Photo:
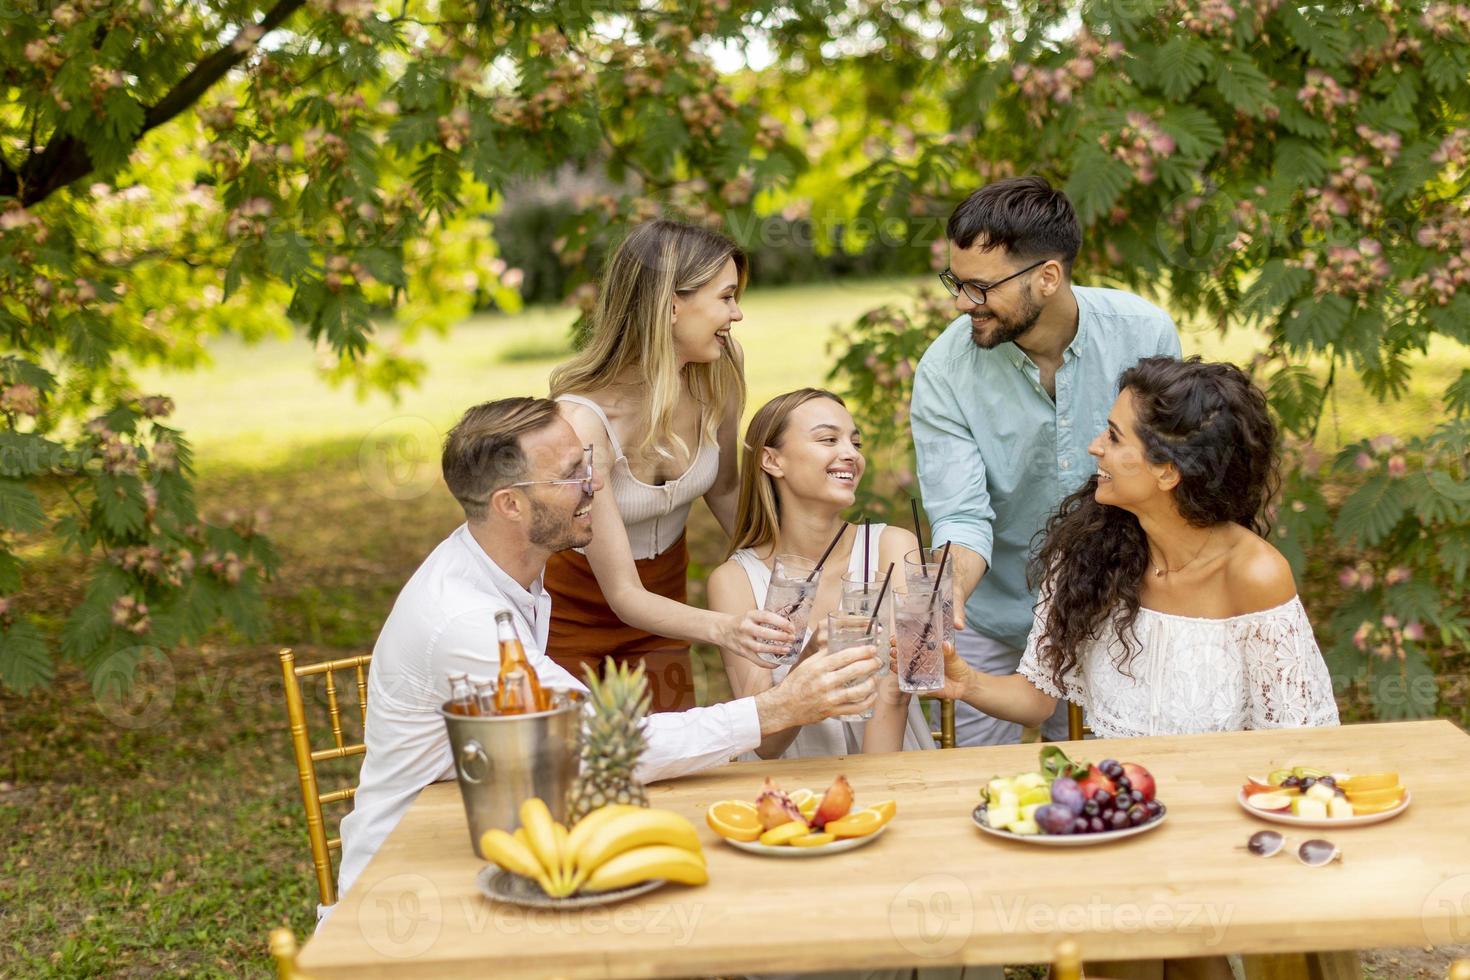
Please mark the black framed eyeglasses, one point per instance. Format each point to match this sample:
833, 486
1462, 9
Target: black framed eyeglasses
584, 477
973, 288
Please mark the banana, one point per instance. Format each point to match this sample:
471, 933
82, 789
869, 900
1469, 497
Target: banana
562, 873
588, 824
637, 828
541, 835
646, 863
514, 856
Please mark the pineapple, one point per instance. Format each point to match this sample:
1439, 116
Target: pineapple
612, 741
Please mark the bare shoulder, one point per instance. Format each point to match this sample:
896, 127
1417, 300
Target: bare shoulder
585, 422
729, 588
1258, 577
896, 538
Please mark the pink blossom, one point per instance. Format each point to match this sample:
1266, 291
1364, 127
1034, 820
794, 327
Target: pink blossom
22, 399
1397, 467
1397, 574
1391, 622
1348, 577
1414, 631
1363, 461
1366, 582
1360, 636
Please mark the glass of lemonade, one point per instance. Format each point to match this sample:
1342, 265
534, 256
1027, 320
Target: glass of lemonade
793, 588
919, 622
848, 630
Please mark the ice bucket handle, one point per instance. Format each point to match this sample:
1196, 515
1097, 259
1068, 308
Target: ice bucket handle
471, 752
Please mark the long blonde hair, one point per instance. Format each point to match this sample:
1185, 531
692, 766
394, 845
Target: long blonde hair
633, 328
758, 514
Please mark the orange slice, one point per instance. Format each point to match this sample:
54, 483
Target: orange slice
1369, 781
812, 840
1366, 809
858, 823
887, 809
785, 834
734, 819
1372, 797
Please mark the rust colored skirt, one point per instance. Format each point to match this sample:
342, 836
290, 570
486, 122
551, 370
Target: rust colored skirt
585, 631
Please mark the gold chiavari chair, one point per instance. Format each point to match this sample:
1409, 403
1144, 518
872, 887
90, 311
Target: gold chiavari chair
944, 734
1076, 726
283, 951
1460, 970
307, 758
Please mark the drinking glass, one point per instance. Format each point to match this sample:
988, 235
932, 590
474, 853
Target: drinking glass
921, 571
793, 587
845, 631
919, 621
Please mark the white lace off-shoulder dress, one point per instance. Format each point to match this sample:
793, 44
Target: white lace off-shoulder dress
1190, 675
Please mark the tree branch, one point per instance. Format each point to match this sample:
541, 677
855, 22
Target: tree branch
65, 159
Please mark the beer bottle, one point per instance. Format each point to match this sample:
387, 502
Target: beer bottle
461, 698
485, 697
519, 688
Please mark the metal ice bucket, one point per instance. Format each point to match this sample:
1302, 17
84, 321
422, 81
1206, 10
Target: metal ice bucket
501, 760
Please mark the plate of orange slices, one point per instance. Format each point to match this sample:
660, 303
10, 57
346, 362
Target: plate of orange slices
799, 823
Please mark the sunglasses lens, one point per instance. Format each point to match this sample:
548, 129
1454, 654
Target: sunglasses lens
1315, 853
1265, 843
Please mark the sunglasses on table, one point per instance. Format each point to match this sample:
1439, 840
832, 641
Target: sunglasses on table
1315, 853
974, 291
583, 476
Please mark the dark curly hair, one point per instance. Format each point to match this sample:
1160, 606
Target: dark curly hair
1211, 422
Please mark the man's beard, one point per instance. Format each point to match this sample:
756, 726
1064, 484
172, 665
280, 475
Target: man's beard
1004, 330
554, 532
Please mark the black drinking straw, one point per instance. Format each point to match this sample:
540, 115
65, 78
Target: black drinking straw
918, 528
919, 533
938, 576
865, 555
823, 560
877, 606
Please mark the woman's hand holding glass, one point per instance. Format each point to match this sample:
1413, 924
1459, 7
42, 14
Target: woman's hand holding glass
753, 634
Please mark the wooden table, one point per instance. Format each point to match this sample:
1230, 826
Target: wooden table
934, 890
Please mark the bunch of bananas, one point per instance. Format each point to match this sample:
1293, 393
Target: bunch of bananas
612, 847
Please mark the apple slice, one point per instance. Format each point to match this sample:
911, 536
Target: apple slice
1271, 802
1252, 787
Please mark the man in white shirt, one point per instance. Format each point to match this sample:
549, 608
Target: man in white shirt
526, 485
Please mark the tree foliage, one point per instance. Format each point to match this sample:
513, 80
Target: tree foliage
172, 171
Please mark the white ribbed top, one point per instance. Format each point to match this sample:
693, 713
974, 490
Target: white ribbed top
654, 515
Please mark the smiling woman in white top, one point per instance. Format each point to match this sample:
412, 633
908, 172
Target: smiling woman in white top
657, 393
1165, 609
802, 466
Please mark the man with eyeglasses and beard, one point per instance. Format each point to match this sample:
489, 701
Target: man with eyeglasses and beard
525, 483
1005, 403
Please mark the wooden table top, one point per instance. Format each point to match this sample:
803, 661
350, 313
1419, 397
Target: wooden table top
935, 890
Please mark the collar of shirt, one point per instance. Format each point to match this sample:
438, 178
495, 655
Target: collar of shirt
533, 605
1018, 357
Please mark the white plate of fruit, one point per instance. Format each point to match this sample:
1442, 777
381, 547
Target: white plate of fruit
1310, 797
799, 823
1068, 804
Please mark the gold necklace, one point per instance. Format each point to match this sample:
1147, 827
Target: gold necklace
1159, 572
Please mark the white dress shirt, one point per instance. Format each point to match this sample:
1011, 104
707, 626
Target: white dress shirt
443, 622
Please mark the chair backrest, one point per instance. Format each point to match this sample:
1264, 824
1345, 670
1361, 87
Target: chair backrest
944, 734
307, 758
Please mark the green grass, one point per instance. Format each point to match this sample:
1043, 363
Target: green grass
171, 849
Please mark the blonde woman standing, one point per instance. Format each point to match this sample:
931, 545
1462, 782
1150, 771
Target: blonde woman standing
657, 394
803, 463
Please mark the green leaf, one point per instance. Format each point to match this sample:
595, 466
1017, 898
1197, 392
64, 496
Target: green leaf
1180, 65
1297, 397
1242, 84
1194, 131
1446, 67
1301, 161
20, 510
1324, 40
1372, 511
1454, 552
120, 501
1097, 181
1410, 691
1316, 322
1274, 287
25, 663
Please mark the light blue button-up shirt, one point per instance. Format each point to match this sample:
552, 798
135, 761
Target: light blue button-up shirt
996, 454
